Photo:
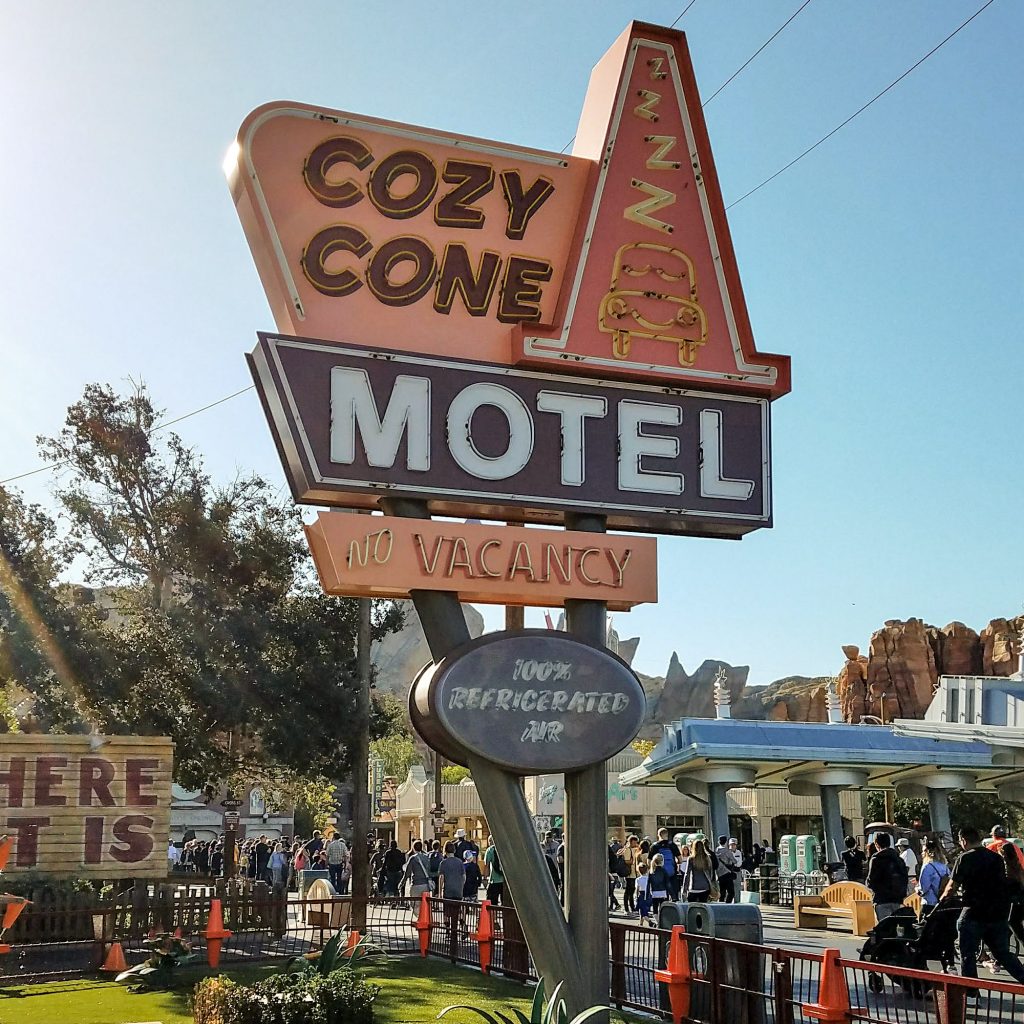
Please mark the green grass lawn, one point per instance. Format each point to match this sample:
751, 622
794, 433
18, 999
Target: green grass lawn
412, 991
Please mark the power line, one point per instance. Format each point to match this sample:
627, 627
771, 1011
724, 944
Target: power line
857, 113
682, 15
750, 59
160, 426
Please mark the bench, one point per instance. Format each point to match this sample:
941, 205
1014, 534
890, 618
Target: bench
842, 899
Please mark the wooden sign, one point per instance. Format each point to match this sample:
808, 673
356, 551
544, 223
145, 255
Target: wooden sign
87, 806
385, 556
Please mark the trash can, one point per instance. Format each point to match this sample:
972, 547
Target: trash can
787, 855
744, 988
808, 854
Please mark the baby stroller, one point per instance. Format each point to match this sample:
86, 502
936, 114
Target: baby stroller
938, 933
894, 942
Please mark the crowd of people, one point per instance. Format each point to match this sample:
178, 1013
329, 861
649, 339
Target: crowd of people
986, 878
984, 884
651, 871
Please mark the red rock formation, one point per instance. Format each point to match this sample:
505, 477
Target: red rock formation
958, 650
1000, 642
902, 673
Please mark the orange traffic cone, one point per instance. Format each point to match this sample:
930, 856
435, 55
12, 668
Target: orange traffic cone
115, 962
484, 936
215, 933
833, 1003
15, 905
352, 942
676, 976
424, 925
5, 850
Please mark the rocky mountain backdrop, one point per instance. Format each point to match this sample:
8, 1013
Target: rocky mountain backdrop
895, 679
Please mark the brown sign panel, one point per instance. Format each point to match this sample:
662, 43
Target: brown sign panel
385, 556
88, 806
497, 442
533, 701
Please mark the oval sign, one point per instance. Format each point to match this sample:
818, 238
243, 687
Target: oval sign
532, 701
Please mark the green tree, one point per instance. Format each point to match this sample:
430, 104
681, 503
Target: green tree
981, 810
453, 774
221, 637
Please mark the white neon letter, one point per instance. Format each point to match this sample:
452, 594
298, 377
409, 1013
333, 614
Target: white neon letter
460, 433
712, 483
573, 410
635, 444
353, 408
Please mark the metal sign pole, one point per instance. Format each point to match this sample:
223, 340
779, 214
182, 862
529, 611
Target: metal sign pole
360, 746
523, 862
586, 818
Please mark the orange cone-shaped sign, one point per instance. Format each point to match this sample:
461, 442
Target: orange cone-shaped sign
484, 936
353, 941
215, 933
424, 924
14, 907
115, 962
676, 976
833, 1003
5, 850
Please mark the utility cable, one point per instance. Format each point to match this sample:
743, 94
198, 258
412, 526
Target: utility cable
156, 429
857, 113
756, 53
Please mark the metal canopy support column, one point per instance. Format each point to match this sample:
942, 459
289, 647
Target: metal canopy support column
522, 861
586, 818
938, 811
832, 819
718, 811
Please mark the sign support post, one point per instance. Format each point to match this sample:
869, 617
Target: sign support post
556, 946
360, 744
586, 816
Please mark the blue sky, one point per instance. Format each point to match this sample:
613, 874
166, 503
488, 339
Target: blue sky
888, 263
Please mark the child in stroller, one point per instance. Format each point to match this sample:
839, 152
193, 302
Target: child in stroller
901, 941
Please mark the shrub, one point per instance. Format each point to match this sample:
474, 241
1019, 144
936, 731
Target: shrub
337, 998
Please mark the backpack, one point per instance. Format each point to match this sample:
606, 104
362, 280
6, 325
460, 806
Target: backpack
668, 856
434, 861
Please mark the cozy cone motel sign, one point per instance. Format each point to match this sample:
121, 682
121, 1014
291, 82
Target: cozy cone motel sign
509, 333
500, 333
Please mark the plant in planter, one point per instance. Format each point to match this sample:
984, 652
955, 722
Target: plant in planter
167, 952
341, 997
338, 954
542, 1011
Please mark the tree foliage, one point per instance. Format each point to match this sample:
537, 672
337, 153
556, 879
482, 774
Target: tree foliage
219, 635
980, 810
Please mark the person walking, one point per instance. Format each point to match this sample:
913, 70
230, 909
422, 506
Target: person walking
643, 898
394, 866
670, 854
980, 879
887, 878
700, 874
278, 864
658, 883
417, 872
337, 856
726, 868
463, 844
909, 858
853, 860
1015, 887
934, 874
495, 879
630, 855
471, 888
452, 883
